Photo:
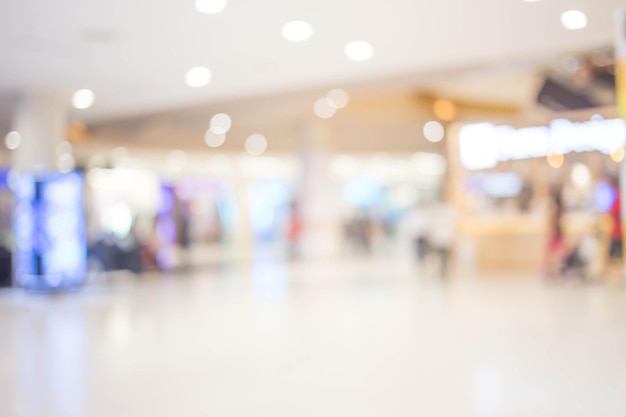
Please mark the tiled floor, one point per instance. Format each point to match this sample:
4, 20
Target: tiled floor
362, 339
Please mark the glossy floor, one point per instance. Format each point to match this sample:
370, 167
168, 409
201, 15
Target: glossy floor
352, 338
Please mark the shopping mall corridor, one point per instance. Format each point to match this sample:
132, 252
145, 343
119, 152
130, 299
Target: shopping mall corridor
353, 338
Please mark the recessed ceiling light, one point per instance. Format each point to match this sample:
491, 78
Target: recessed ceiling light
211, 6
324, 108
338, 97
13, 140
359, 51
214, 140
297, 31
256, 144
83, 99
445, 110
434, 131
574, 20
220, 123
198, 77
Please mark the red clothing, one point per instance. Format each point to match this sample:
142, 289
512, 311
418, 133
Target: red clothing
616, 215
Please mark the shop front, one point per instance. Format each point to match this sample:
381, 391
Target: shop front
504, 182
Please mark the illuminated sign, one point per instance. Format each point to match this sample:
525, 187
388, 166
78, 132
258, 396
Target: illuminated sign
484, 145
50, 236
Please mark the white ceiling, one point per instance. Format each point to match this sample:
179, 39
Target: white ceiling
134, 53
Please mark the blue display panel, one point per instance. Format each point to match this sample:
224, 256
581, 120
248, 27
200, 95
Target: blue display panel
50, 233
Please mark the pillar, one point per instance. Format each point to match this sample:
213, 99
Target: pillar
41, 120
317, 202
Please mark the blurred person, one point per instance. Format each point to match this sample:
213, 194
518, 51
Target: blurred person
440, 233
150, 249
359, 231
294, 231
415, 226
584, 261
128, 254
616, 246
183, 222
557, 247
364, 232
6, 267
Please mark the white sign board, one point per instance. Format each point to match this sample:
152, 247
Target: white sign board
484, 145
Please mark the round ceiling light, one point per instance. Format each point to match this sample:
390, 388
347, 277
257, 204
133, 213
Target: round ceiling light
338, 97
214, 140
444, 110
198, 77
256, 144
221, 123
574, 20
297, 31
83, 99
324, 108
13, 140
211, 6
434, 131
359, 51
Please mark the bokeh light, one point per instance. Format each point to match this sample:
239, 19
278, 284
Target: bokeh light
574, 20
256, 144
359, 51
83, 99
297, 31
604, 197
13, 140
211, 6
221, 123
324, 108
338, 98
198, 77
445, 110
214, 140
617, 155
66, 163
555, 160
581, 175
434, 131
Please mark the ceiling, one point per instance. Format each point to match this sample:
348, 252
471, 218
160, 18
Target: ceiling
134, 54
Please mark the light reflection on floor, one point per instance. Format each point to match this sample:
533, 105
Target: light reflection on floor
352, 338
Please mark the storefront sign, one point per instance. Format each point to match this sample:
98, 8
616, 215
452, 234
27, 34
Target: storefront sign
484, 145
